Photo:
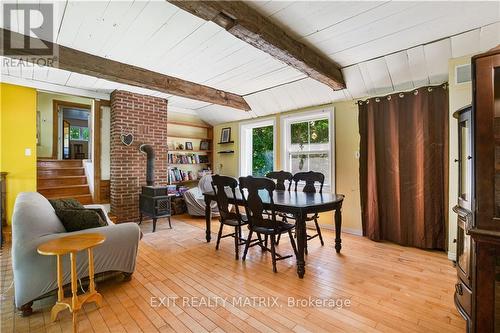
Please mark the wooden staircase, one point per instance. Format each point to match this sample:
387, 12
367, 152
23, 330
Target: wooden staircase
59, 179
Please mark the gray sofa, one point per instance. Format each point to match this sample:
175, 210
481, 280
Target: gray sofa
34, 222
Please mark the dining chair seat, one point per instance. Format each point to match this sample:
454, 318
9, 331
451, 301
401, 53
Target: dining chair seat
283, 227
234, 221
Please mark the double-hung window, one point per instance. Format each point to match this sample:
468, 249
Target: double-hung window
307, 141
79, 133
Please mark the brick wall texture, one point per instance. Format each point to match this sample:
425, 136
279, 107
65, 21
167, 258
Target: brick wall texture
146, 118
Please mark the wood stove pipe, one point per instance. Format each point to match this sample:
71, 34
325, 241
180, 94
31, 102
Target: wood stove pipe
150, 164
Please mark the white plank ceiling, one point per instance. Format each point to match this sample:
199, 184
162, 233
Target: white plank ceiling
382, 47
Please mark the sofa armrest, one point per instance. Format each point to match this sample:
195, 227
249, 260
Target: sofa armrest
123, 232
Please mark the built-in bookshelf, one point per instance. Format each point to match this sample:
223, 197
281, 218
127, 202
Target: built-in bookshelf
190, 152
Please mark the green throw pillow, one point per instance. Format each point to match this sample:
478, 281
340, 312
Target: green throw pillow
80, 219
65, 204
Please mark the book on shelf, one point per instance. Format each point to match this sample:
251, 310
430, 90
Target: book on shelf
176, 175
186, 158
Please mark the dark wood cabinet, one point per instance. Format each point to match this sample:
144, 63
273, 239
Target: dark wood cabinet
477, 292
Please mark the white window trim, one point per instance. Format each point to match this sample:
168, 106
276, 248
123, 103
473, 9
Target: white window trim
286, 120
243, 160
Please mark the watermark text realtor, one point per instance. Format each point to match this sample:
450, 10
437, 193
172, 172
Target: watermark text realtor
249, 301
28, 34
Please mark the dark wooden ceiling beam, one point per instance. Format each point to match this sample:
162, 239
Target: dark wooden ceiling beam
84, 63
255, 29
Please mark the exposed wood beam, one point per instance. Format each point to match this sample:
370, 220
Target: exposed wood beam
84, 63
255, 29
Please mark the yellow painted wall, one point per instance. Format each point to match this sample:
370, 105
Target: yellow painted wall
45, 106
18, 132
346, 166
459, 95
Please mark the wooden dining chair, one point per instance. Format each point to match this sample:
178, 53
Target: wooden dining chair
311, 178
227, 217
258, 220
281, 177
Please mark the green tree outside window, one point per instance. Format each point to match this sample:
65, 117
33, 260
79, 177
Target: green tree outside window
262, 150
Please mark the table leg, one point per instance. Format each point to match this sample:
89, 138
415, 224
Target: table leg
338, 226
91, 270
96, 296
208, 219
59, 306
60, 291
74, 298
300, 230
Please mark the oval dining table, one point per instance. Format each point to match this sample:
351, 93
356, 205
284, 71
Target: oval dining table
299, 204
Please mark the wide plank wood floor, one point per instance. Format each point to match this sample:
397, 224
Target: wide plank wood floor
383, 288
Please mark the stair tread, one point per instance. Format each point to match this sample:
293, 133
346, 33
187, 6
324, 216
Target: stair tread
56, 168
68, 196
62, 186
62, 177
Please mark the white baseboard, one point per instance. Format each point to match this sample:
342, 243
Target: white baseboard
351, 231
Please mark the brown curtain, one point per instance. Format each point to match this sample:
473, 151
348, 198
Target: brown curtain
404, 167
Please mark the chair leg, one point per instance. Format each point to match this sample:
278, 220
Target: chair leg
278, 239
169, 222
305, 247
219, 235
261, 243
236, 242
294, 246
273, 253
247, 245
318, 230
265, 240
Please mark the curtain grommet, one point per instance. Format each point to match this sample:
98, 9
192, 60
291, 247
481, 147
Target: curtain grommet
389, 97
415, 92
377, 99
401, 95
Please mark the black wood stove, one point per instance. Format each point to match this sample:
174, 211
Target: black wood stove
154, 200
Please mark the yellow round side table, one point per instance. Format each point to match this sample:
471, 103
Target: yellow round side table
73, 244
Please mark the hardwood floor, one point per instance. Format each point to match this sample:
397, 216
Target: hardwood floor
390, 289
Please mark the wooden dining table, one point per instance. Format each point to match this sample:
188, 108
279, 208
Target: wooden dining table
299, 204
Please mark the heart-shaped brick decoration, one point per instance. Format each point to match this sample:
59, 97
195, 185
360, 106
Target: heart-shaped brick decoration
127, 139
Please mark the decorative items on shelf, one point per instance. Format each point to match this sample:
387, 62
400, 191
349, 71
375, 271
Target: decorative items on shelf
189, 145
204, 145
225, 135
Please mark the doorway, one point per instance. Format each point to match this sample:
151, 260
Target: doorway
72, 131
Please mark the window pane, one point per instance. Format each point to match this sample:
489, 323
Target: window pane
318, 162
300, 133
319, 131
85, 133
74, 133
299, 163
262, 150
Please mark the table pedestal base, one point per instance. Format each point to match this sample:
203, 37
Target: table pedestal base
81, 299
